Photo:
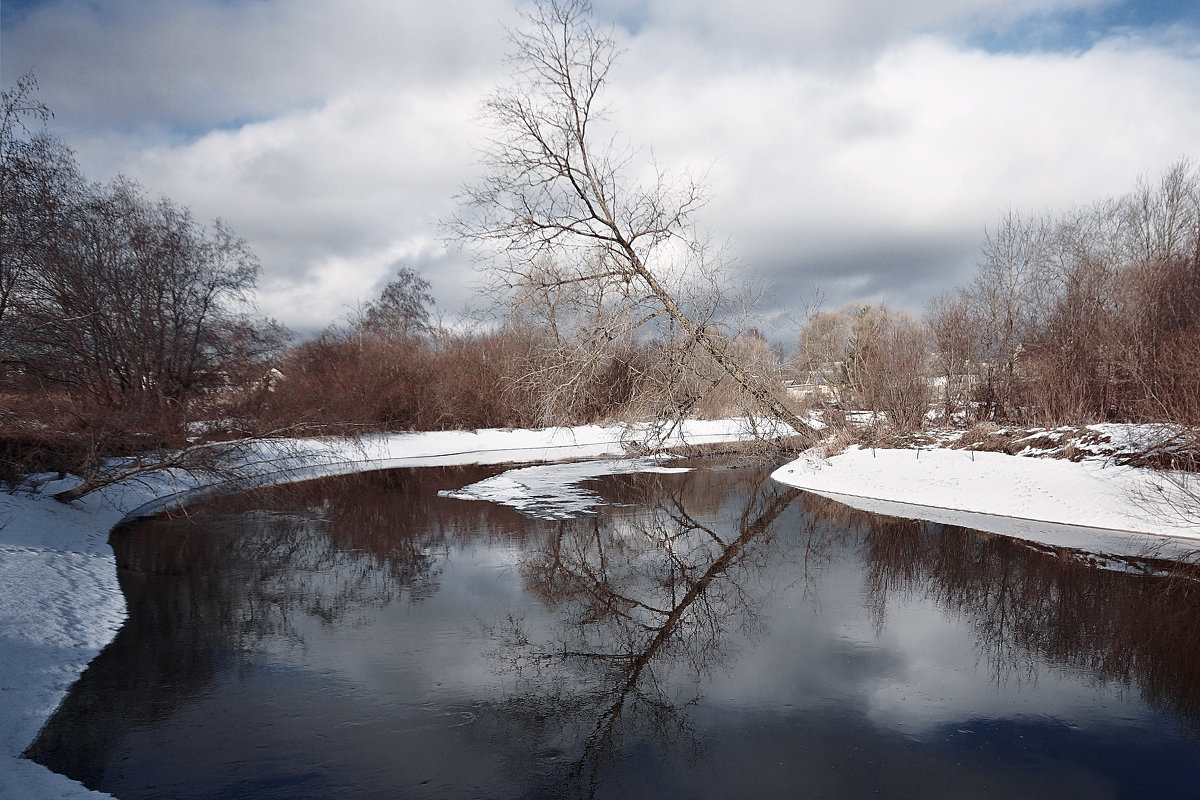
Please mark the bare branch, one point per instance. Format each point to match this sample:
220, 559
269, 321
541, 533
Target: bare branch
551, 194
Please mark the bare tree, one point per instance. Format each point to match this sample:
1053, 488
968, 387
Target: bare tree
821, 346
1161, 221
38, 181
1119, 304
633, 607
1159, 296
948, 321
883, 366
874, 358
1085, 315
133, 302
1004, 298
1068, 345
861, 353
403, 307
121, 318
897, 383
584, 353
557, 191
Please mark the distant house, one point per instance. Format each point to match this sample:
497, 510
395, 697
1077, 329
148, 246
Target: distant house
817, 390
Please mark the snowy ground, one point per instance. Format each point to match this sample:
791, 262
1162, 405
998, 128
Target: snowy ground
61, 604
1092, 504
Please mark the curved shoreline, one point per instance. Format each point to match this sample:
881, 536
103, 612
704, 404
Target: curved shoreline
1097, 541
59, 597
1085, 504
62, 603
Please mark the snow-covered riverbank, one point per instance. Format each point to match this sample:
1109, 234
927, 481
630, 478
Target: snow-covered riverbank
1090, 505
60, 603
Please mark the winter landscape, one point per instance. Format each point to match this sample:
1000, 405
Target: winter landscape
676, 451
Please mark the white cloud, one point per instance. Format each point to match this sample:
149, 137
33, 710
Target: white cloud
926, 145
330, 198
836, 30
130, 64
859, 146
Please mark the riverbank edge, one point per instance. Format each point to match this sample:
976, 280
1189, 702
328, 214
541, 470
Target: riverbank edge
59, 594
58, 574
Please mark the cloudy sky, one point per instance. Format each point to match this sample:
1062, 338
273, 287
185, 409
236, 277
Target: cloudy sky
858, 147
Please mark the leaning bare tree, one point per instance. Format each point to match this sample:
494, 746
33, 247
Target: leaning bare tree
560, 208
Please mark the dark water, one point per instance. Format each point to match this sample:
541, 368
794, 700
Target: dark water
713, 635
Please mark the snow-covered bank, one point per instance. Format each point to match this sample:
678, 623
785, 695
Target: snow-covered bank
284, 460
60, 603
1089, 504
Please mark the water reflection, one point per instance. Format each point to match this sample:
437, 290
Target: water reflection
250, 574
711, 632
1135, 623
323, 549
644, 605
640, 599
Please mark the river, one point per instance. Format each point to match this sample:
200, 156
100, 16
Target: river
706, 634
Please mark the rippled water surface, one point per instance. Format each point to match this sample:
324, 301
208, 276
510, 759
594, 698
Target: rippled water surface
709, 634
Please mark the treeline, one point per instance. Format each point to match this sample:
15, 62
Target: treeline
392, 368
121, 316
1073, 318
126, 325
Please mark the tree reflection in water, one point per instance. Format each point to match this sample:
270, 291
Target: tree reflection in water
241, 574
1135, 622
639, 599
324, 549
642, 600
615, 630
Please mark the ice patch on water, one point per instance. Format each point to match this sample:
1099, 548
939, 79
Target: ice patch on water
555, 491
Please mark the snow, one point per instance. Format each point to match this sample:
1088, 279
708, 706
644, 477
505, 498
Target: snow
1091, 504
554, 492
61, 603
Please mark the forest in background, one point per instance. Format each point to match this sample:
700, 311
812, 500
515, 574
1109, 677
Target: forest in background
1081, 316
126, 325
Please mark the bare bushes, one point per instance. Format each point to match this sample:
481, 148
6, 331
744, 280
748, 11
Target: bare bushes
511, 377
350, 382
1157, 347
591, 377
517, 376
583, 376
897, 384
872, 358
47, 430
354, 383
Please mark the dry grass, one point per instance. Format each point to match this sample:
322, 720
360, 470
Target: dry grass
1071, 452
754, 451
987, 437
842, 437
